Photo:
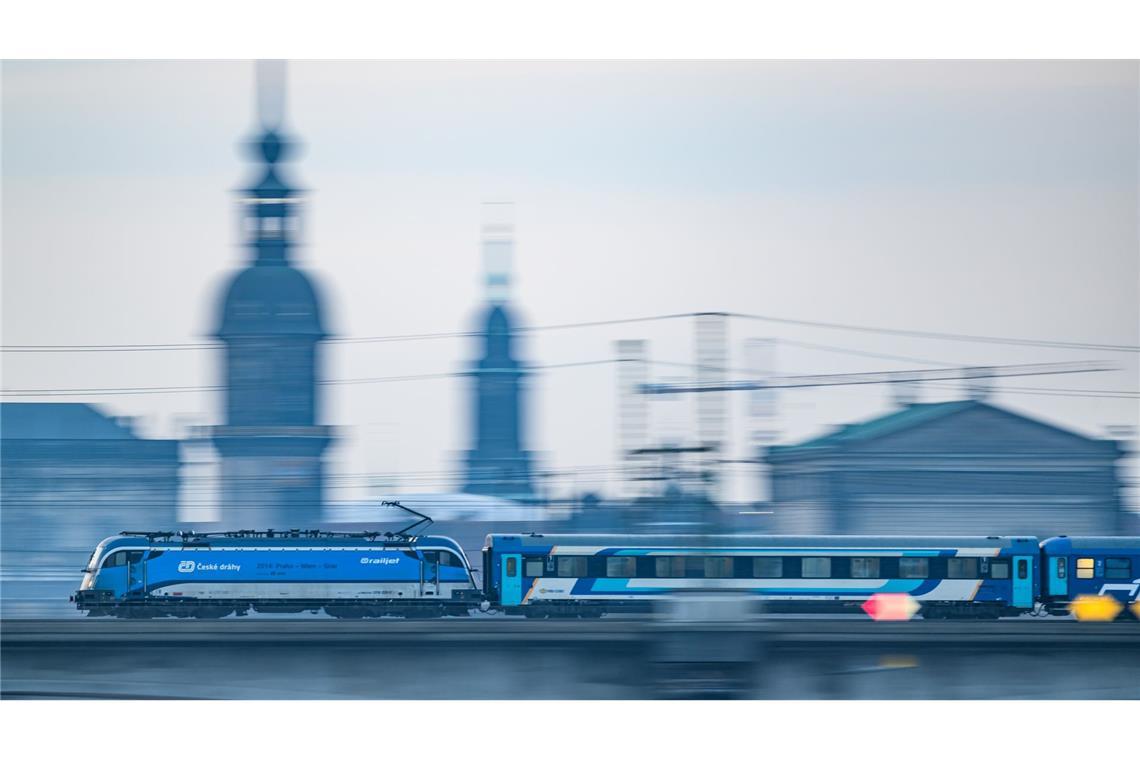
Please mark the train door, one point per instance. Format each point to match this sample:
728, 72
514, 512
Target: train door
429, 574
136, 571
512, 580
1056, 569
1023, 582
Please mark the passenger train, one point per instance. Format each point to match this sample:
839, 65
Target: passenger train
352, 575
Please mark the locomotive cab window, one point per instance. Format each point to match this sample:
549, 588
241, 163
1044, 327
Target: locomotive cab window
962, 567
532, 568
1085, 567
1118, 567
118, 559
447, 559
914, 567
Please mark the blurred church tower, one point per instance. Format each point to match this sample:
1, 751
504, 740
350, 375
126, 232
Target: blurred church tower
497, 463
270, 445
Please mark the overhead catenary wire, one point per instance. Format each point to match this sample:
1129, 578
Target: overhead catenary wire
785, 382
896, 331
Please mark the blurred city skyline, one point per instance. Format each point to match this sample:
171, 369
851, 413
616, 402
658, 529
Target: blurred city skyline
975, 198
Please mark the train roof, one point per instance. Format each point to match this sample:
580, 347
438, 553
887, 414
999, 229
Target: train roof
283, 538
762, 541
1092, 542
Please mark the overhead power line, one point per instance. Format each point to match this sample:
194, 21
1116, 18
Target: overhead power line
790, 381
868, 378
904, 332
1084, 346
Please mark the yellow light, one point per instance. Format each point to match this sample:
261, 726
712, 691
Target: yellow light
898, 661
1095, 607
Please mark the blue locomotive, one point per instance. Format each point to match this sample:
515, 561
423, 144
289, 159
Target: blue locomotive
208, 575
576, 575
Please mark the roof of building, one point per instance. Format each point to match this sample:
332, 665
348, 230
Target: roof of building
907, 418
59, 421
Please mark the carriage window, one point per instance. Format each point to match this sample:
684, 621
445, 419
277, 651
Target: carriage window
864, 567
1118, 567
532, 568
512, 567
962, 567
914, 567
571, 567
816, 567
621, 567
718, 567
1060, 567
767, 567
999, 569
669, 567
1085, 566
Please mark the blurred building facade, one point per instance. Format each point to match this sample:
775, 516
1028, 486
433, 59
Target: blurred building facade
70, 476
498, 463
271, 445
952, 468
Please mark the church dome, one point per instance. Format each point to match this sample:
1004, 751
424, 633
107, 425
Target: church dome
271, 300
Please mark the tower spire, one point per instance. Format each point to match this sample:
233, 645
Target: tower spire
498, 249
270, 76
270, 203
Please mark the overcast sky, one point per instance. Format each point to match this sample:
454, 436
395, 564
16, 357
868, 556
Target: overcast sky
982, 198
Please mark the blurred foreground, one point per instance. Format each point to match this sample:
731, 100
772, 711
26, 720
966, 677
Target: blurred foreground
618, 657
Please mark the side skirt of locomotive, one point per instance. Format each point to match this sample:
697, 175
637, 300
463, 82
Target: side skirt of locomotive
103, 605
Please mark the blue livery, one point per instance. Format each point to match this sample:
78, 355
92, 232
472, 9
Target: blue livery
582, 575
1089, 565
209, 575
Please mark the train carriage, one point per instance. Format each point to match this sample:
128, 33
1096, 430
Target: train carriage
1089, 566
211, 575
555, 575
